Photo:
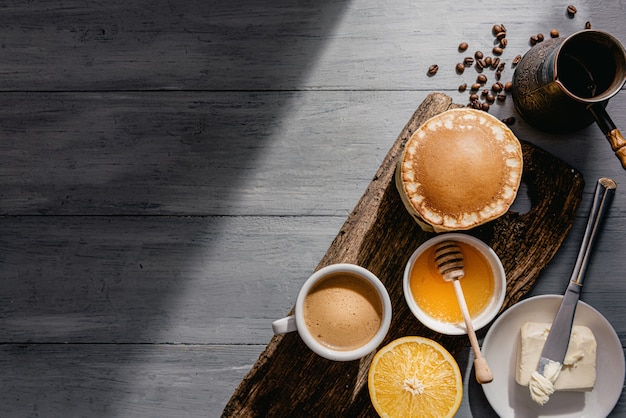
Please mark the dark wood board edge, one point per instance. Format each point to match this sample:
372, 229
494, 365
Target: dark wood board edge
289, 380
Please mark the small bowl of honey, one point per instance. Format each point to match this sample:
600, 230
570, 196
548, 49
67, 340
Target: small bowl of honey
433, 300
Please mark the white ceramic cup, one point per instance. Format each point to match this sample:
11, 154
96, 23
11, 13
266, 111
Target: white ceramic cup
297, 323
492, 308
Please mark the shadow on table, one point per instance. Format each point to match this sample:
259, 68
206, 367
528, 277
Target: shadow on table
146, 115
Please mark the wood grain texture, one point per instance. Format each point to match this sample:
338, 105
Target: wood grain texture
380, 236
221, 145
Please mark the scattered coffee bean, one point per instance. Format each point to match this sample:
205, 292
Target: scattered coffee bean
533, 40
497, 29
478, 55
473, 97
554, 33
498, 75
460, 68
480, 64
495, 63
497, 50
488, 61
432, 70
463, 46
467, 61
503, 43
490, 98
501, 97
475, 87
540, 37
484, 93
503, 27
509, 121
462, 87
588, 25
516, 60
571, 10
485, 107
482, 79
508, 86
497, 87
500, 36
501, 67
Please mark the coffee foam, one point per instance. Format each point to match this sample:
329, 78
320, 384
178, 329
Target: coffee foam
343, 312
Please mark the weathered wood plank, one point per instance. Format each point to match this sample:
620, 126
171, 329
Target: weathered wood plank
280, 153
121, 380
178, 279
380, 235
261, 45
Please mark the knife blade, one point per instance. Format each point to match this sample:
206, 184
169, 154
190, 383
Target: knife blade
555, 347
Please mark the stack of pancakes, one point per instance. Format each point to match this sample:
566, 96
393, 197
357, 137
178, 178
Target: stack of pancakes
460, 169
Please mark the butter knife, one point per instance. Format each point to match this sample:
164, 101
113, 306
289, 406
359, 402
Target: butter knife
554, 350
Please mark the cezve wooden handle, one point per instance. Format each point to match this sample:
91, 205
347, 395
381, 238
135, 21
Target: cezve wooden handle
615, 137
618, 144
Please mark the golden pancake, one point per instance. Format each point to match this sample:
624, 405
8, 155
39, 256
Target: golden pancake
460, 169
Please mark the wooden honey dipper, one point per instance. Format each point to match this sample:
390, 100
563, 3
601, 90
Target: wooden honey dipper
449, 261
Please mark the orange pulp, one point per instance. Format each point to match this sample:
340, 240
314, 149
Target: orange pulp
437, 298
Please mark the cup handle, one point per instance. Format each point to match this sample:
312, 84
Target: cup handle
284, 325
615, 137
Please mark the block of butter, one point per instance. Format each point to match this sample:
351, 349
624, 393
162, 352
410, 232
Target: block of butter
579, 367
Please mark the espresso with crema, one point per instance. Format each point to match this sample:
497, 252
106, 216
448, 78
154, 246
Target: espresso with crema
343, 312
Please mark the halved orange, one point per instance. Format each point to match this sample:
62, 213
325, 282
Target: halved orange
415, 377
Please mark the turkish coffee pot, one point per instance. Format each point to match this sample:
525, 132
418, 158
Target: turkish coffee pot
564, 84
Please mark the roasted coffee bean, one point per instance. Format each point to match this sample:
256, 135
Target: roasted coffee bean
501, 97
475, 87
462, 87
571, 10
498, 75
490, 98
473, 97
480, 64
508, 86
503, 27
501, 66
497, 50
460, 68
504, 43
484, 93
463, 46
509, 121
500, 36
497, 87
488, 61
540, 37
432, 70
516, 60
554, 33
468, 61
533, 40
495, 63
478, 55
497, 29
482, 79
485, 107
588, 25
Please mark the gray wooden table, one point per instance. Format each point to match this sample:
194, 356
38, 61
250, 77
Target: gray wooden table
171, 172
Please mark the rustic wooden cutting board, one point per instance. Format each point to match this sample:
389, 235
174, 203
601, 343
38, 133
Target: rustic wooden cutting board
289, 380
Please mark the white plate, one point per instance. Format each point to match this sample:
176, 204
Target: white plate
500, 345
